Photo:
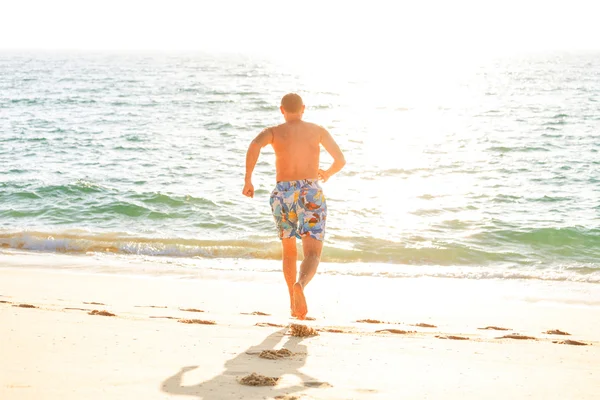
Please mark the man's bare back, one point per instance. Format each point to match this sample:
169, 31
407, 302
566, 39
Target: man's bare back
297, 150
298, 203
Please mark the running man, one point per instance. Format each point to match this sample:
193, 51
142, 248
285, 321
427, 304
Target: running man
297, 202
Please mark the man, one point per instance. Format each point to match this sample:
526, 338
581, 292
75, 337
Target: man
297, 202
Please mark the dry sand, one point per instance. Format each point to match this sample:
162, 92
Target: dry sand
62, 349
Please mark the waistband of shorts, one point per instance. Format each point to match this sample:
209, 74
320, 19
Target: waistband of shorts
292, 185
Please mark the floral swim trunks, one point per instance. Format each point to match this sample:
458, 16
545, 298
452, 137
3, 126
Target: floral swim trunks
299, 209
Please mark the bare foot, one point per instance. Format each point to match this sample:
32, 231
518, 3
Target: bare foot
300, 309
292, 307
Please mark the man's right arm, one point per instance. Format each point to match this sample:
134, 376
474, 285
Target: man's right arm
334, 150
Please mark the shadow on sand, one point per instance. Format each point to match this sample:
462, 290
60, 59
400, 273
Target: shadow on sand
226, 385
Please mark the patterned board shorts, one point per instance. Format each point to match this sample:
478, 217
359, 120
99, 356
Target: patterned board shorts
299, 209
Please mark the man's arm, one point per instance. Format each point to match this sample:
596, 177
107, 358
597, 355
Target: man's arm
264, 138
334, 150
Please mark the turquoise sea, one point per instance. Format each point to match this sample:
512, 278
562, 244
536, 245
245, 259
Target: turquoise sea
490, 171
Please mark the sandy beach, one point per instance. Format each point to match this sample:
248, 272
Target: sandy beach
419, 338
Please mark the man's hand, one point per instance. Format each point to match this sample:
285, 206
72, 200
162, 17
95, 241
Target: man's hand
248, 189
323, 175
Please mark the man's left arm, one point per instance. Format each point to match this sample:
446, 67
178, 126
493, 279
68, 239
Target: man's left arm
264, 138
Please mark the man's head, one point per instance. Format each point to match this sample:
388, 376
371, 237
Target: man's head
292, 107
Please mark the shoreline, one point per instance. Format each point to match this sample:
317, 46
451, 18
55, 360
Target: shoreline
137, 264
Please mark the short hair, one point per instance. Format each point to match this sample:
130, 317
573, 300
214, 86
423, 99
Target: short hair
292, 103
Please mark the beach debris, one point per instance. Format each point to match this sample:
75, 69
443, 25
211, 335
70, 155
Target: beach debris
557, 332
288, 397
396, 331
24, 305
167, 317
255, 379
262, 314
197, 321
424, 325
275, 354
4, 301
103, 313
94, 303
493, 328
191, 310
453, 337
76, 308
370, 321
265, 324
302, 330
571, 342
517, 336
310, 319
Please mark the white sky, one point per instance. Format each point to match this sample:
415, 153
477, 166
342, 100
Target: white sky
314, 27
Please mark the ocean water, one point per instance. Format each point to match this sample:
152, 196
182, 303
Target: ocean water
494, 167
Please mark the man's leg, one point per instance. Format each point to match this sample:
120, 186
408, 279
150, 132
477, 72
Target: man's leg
311, 248
290, 255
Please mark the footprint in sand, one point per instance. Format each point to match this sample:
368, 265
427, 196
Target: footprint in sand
262, 314
572, 342
557, 332
370, 321
453, 337
197, 321
317, 384
332, 330
517, 336
269, 324
103, 313
493, 328
24, 306
396, 331
424, 325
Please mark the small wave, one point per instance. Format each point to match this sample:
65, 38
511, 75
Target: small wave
21, 195
29, 102
218, 126
559, 122
78, 187
549, 199
121, 208
568, 241
502, 149
378, 257
505, 198
172, 200
124, 244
